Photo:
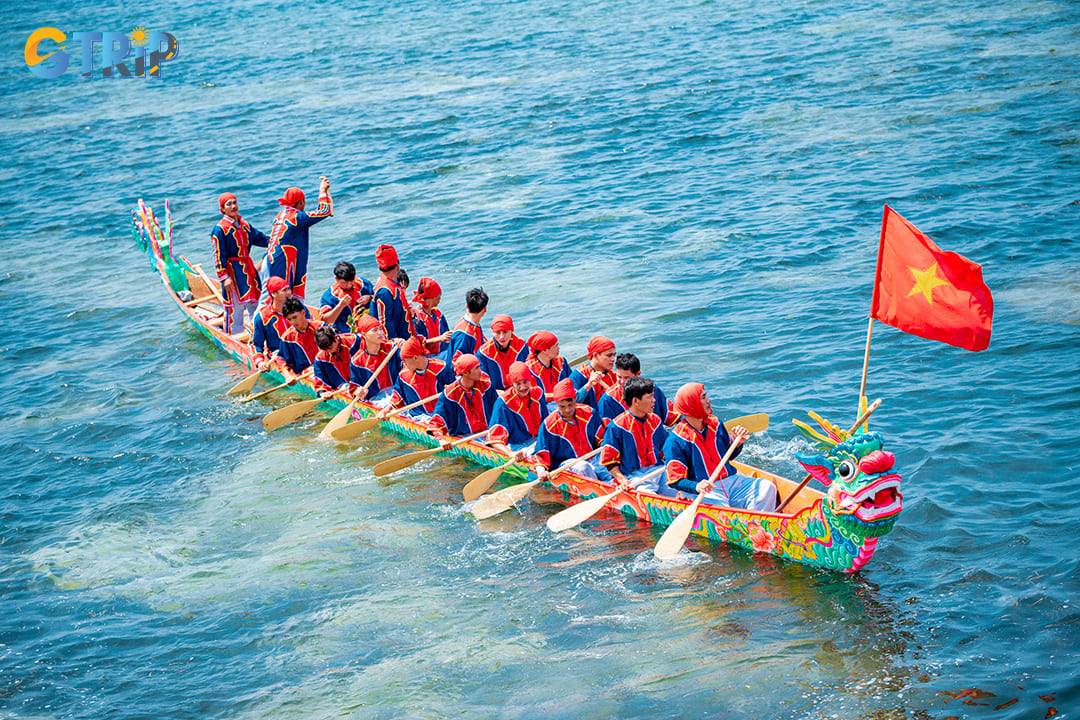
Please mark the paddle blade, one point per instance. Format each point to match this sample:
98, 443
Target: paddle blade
287, 414
338, 421
503, 500
245, 385
673, 539
758, 422
577, 514
482, 483
386, 467
348, 432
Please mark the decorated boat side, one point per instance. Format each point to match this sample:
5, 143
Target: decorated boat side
839, 529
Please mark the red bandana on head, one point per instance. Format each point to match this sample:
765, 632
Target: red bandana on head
564, 390
598, 345
688, 401
293, 197
386, 257
501, 323
465, 363
541, 340
519, 372
427, 289
413, 347
224, 198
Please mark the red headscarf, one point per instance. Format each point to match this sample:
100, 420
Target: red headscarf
222, 199
293, 197
541, 340
364, 323
386, 257
413, 347
688, 400
426, 289
499, 323
464, 363
598, 345
519, 372
276, 284
564, 390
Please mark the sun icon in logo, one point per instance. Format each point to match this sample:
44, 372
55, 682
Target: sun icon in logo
138, 36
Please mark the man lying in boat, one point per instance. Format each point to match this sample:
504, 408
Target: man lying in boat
501, 351
270, 323
695, 447
566, 434
627, 366
464, 405
634, 440
468, 336
332, 362
345, 297
232, 239
421, 377
390, 306
517, 414
545, 362
429, 324
596, 375
369, 355
298, 346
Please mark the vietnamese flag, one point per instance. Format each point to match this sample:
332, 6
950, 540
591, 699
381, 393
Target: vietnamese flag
928, 292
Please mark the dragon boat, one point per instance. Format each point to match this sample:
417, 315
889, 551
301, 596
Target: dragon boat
838, 529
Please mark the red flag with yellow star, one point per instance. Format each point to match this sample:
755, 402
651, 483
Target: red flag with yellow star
925, 291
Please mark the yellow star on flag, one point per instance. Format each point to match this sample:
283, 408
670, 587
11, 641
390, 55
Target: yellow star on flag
925, 282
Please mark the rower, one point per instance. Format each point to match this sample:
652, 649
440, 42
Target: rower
517, 414
345, 297
269, 322
566, 434
501, 351
298, 346
627, 366
287, 254
468, 336
462, 408
422, 377
232, 239
544, 360
390, 306
694, 448
634, 440
429, 324
369, 354
596, 375
333, 359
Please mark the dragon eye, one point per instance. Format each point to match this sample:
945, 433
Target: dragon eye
846, 470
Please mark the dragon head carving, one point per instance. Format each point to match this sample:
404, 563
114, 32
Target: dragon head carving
863, 492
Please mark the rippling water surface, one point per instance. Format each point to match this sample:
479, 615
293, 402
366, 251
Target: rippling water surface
703, 183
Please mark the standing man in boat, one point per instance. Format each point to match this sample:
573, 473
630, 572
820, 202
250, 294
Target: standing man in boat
345, 297
468, 336
566, 434
627, 366
517, 414
332, 362
596, 375
634, 440
298, 345
695, 447
269, 323
369, 355
287, 255
429, 324
544, 360
390, 306
421, 377
501, 351
232, 239
465, 404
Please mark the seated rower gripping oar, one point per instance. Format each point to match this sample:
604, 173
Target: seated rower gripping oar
401, 462
287, 414
506, 498
342, 418
356, 427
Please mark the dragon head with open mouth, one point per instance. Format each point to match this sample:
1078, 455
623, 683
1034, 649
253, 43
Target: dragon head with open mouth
863, 491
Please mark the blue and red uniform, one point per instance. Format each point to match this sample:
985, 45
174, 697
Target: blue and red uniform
287, 254
463, 412
467, 339
364, 365
497, 360
232, 254
333, 296
270, 325
559, 440
332, 368
591, 397
692, 455
430, 324
611, 405
298, 349
516, 420
632, 443
415, 386
391, 309
547, 377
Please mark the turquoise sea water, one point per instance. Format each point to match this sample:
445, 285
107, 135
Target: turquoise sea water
702, 182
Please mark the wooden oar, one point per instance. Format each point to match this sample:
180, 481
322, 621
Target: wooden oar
758, 422
401, 462
482, 482
287, 383
364, 424
578, 361
247, 383
342, 418
799, 488
577, 514
287, 414
673, 539
506, 498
